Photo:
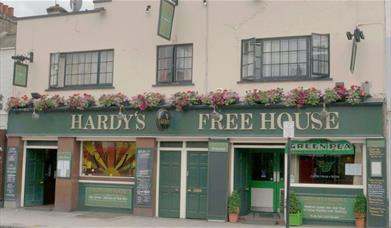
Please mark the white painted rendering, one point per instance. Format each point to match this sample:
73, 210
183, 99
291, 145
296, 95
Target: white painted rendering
216, 31
6, 89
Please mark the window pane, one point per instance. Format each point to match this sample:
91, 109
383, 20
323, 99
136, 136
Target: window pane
302, 70
284, 57
284, 70
293, 44
112, 159
275, 45
292, 69
302, 56
302, 44
165, 75
276, 58
292, 57
188, 63
284, 45
180, 63
275, 70
267, 71
267, 58
267, 46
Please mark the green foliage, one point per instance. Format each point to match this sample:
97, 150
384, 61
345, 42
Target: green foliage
234, 202
360, 204
294, 203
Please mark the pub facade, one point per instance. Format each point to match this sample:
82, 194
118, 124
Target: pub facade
133, 123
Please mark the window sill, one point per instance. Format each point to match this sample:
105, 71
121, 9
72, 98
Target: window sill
284, 80
80, 88
174, 84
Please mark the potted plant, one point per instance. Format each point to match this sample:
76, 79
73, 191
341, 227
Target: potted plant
360, 208
295, 215
233, 206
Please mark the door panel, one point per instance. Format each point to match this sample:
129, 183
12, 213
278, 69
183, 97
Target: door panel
197, 168
169, 184
267, 179
242, 179
34, 178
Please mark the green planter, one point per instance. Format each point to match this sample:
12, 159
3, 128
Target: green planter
296, 219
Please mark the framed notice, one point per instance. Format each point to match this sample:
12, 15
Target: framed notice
11, 169
143, 195
166, 19
64, 164
20, 74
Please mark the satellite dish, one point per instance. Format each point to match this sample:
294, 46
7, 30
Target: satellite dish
76, 5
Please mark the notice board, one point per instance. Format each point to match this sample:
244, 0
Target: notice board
10, 173
143, 196
377, 212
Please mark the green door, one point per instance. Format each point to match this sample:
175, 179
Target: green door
33, 195
267, 166
242, 179
197, 189
169, 183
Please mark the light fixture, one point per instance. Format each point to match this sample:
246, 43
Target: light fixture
215, 114
324, 113
22, 58
357, 34
365, 87
148, 9
35, 95
121, 115
205, 2
35, 115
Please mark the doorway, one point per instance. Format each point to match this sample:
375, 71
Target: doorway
40, 181
259, 179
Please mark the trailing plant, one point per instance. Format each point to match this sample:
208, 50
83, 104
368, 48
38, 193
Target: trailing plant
312, 96
234, 203
147, 100
221, 97
330, 96
294, 203
16, 102
268, 97
181, 100
360, 205
295, 97
44, 103
108, 100
81, 102
355, 95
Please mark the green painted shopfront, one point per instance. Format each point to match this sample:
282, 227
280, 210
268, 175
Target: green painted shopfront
167, 163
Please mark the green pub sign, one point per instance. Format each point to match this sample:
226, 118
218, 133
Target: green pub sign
166, 19
20, 74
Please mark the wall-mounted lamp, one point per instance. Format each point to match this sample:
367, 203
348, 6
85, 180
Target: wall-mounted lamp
36, 95
324, 113
205, 2
215, 115
357, 34
22, 58
121, 115
148, 9
35, 115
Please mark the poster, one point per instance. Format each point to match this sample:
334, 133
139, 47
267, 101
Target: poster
144, 177
11, 173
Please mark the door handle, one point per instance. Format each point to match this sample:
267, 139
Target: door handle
247, 189
177, 190
189, 189
198, 190
41, 182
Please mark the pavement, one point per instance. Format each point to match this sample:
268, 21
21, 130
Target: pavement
18, 218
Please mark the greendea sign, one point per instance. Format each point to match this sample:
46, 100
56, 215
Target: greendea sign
321, 147
238, 121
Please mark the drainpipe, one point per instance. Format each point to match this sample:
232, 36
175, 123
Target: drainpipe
206, 80
387, 25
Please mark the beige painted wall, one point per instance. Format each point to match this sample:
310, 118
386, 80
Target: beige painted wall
216, 31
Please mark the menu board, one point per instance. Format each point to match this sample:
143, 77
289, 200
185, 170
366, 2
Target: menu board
144, 177
377, 183
10, 173
64, 164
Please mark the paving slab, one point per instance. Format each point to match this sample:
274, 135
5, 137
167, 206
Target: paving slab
27, 218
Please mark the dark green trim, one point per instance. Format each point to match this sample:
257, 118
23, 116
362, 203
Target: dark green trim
94, 87
292, 79
173, 84
96, 10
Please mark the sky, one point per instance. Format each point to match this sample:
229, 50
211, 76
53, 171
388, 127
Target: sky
24, 8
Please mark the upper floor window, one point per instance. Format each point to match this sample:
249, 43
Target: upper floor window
92, 68
174, 64
305, 57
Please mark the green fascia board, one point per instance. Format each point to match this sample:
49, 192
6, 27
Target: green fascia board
57, 122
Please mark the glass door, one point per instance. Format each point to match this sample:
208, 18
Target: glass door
267, 172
